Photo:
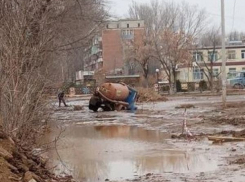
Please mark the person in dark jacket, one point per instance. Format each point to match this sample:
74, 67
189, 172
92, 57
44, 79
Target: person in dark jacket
61, 96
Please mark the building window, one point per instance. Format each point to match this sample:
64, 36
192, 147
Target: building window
197, 74
215, 72
212, 56
198, 56
232, 54
243, 69
127, 25
127, 32
243, 54
232, 73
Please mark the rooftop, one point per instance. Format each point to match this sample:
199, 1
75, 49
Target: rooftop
122, 76
220, 47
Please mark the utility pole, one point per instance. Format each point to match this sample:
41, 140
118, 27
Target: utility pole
223, 53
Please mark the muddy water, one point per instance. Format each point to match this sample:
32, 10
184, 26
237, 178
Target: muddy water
96, 153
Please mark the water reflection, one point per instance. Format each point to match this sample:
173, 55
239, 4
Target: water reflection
113, 152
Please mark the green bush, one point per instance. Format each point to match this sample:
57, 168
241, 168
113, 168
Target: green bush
203, 85
178, 86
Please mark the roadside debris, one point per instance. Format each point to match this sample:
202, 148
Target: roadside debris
218, 139
20, 164
239, 134
240, 160
149, 95
185, 106
113, 96
77, 108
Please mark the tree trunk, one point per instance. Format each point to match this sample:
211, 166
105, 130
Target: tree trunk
212, 84
146, 84
211, 78
171, 91
174, 82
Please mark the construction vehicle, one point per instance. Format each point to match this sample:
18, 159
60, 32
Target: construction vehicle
113, 96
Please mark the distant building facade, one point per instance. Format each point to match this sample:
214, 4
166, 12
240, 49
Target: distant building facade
107, 52
93, 59
201, 60
114, 41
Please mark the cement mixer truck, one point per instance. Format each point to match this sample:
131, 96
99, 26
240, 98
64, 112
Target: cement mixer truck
113, 96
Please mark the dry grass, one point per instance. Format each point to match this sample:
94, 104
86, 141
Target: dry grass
149, 95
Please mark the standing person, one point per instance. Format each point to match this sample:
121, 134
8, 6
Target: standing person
61, 96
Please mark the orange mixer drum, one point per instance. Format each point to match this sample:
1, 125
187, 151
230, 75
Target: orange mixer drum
114, 91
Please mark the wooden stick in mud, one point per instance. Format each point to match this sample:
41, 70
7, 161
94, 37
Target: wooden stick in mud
225, 139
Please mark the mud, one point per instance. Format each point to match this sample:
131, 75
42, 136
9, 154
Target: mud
239, 160
97, 153
137, 146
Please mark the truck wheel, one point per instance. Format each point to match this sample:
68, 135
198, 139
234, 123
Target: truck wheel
94, 107
94, 103
108, 107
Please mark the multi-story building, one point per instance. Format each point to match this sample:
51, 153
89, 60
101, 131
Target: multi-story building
114, 42
207, 58
93, 55
107, 52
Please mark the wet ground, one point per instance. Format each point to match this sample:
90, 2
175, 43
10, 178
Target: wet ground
120, 146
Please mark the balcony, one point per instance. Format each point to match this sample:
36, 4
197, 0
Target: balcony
128, 37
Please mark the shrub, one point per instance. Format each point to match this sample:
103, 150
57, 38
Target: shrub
149, 95
191, 86
178, 86
203, 85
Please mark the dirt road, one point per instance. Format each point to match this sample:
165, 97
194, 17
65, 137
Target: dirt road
145, 145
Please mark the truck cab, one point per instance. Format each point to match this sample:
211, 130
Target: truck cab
238, 81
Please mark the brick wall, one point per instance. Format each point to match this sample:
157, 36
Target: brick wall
112, 50
138, 36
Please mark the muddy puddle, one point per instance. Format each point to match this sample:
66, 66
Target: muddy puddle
97, 153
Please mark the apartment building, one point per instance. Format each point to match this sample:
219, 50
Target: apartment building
93, 55
107, 52
202, 63
114, 43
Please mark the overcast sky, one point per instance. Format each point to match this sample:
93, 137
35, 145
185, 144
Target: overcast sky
120, 9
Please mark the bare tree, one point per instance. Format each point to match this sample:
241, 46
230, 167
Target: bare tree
209, 42
141, 53
34, 36
172, 50
81, 20
174, 28
236, 36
